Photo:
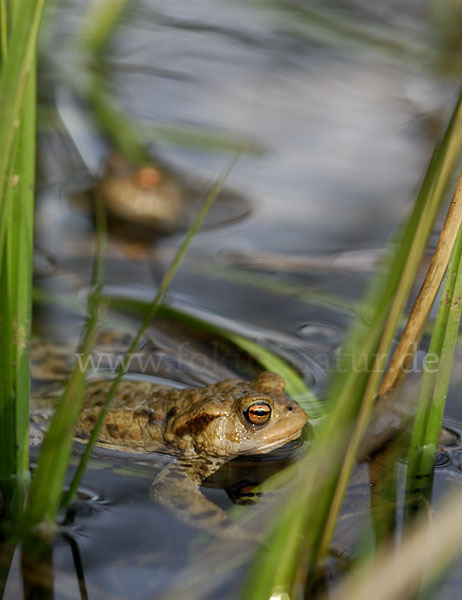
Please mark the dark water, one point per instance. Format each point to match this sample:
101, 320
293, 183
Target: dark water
346, 125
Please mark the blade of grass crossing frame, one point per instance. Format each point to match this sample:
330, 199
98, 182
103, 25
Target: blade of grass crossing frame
20, 249
100, 21
150, 314
47, 483
296, 388
128, 135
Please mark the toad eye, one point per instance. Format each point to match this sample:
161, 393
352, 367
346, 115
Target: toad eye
258, 413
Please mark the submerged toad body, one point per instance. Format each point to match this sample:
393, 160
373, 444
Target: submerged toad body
203, 428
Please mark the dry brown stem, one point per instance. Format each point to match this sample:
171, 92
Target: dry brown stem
405, 350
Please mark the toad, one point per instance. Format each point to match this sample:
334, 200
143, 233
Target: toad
203, 428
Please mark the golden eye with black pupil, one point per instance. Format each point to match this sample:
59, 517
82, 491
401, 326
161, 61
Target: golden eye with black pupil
258, 413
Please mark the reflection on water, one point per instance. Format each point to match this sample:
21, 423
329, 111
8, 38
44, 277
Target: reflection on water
344, 102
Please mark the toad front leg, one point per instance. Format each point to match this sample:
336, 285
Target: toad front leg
177, 488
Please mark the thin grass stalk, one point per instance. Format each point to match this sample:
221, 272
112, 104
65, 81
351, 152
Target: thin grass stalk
15, 308
427, 424
268, 283
47, 483
295, 386
150, 314
275, 286
200, 139
124, 133
130, 137
101, 20
20, 250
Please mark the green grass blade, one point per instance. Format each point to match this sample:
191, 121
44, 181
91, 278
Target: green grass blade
435, 382
47, 483
20, 253
199, 138
128, 135
15, 307
262, 281
8, 462
123, 132
3, 31
131, 137
150, 314
296, 388
100, 21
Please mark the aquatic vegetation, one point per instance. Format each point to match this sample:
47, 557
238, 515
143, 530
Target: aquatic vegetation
150, 314
19, 29
427, 425
45, 493
302, 536
300, 528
